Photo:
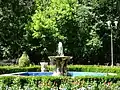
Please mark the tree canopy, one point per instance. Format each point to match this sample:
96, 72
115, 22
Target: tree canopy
37, 27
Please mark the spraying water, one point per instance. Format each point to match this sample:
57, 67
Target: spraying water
60, 49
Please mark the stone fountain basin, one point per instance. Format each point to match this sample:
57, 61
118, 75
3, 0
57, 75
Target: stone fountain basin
59, 57
72, 74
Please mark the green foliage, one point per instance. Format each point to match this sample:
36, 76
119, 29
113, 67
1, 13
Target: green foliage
44, 19
92, 68
64, 20
13, 17
46, 22
48, 83
94, 43
80, 68
24, 60
14, 69
79, 24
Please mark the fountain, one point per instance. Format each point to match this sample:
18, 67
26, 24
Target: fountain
60, 67
60, 61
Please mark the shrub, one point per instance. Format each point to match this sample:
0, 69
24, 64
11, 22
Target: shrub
79, 68
14, 69
94, 68
56, 83
24, 60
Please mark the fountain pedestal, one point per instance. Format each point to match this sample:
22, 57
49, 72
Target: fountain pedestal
61, 64
43, 66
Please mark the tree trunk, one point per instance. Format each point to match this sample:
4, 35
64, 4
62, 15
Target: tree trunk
118, 11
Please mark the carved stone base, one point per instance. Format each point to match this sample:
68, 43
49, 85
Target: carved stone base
61, 64
44, 66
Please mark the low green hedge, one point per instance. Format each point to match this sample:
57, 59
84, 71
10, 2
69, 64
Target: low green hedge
48, 82
94, 68
80, 68
13, 69
44, 81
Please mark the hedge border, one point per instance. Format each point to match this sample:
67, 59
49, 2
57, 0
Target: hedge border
80, 68
8, 80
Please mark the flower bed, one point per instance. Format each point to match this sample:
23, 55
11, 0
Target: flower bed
56, 83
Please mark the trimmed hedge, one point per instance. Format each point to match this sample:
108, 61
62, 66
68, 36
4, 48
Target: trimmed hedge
94, 68
24, 60
23, 80
43, 82
13, 69
80, 68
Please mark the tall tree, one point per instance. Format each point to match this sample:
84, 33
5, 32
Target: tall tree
66, 21
13, 17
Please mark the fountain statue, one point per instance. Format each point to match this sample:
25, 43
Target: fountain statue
60, 61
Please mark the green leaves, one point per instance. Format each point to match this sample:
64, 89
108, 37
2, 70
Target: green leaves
79, 24
45, 19
48, 83
64, 20
24, 60
94, 42
13, 17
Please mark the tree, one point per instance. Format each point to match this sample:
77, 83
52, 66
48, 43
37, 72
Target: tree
44, 21
66, 21
13, 17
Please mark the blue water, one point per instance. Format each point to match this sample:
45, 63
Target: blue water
73, 74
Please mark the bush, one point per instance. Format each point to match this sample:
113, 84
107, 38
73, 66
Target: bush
14, 69
94, 68
24, 60
80, 68
48, 82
